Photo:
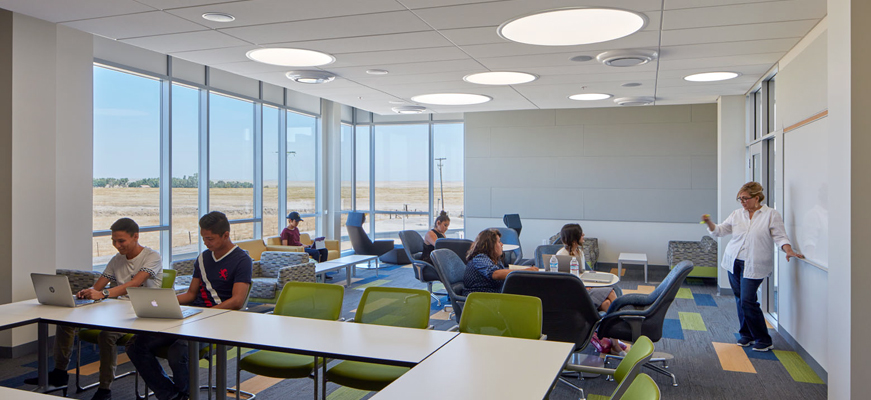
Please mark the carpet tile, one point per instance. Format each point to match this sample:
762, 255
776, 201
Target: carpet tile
671, 328
704, 300
733, 358
684, 293
797, 368
692, 321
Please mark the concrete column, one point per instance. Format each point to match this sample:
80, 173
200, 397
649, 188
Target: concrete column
331, 167
731, 150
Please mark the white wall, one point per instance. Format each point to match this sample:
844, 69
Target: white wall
634, 178
731, 151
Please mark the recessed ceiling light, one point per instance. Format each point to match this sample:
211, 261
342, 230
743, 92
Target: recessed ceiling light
590, 96
377, 71
711, 76
626, 58
451, 99
635, 101
310, 76
572, 26
290, 57
396, 101
218, 17
631, 84
409, 109
500, 78
581, 58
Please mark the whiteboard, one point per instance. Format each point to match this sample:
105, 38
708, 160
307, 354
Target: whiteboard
806, 190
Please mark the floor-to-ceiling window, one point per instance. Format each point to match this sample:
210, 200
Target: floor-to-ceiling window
401, 179
448, 175
231, 162
347, 171
301, 168
272, 222
185, 170
127, 132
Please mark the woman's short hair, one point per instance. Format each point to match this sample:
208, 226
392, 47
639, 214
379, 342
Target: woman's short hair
754, 189
571, 234
485, 244
443, 217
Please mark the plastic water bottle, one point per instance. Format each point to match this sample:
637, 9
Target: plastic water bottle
554, 264
575, 267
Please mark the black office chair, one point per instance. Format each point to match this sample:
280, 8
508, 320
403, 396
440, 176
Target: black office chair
569, 313
513, 221
633, 315
360, 240
459, 246
509, 236
451, 270
425, 272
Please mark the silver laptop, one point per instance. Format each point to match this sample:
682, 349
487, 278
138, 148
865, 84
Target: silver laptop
564, 265
54, 290
158, 303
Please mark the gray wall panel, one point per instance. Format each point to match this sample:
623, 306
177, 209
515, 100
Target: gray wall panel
704, 113
510, 118
477, 201
626, 172
626, 115
523, 173
704, 171
652, 205
552, 203
541, 141
477, 142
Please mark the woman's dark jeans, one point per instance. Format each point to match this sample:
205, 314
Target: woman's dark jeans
749, 313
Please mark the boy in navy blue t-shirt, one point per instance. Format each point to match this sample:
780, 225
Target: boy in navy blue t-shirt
222, 276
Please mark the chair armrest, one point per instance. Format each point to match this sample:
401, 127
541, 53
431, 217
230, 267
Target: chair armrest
592, 370
332, 244
632, 317
292, 249
297, 273
629, 300
256, 270
542, 337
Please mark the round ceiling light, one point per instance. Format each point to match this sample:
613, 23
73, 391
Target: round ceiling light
377, 71
290, 57
572, 26
409, 109
626, 58
451, 99
218, 17
711, 76
310, 76
500, 78
590, 96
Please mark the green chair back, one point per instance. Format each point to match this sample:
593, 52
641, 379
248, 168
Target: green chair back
310, 300
642, 388
640, 352
500, 314
168, 278
403, 307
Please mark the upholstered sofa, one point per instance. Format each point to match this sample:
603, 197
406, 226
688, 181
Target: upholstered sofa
271, 272
255, 247
333, 249
591, 249
702, 253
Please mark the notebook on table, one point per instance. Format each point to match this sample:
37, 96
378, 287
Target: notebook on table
158, 303
54, 290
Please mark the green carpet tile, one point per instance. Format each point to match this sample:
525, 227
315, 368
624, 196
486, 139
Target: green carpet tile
692, 328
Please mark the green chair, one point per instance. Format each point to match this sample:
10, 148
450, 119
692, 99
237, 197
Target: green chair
499, 314
642, 388
304, 300
626, 371
93, 335
402, 307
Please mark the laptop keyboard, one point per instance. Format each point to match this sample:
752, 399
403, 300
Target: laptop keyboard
189, 312
81, 302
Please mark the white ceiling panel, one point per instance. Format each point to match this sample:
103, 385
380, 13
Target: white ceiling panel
489, 14
70, 10
188, 41
398, 56
414, 68
593, 81
644, 40
722, 90
739, 14
720, 63
398, 41
216, 56
258, 12
736, 33
136, 25
391, 79
413, 4
678, 4
169, 4
671, 53
470, 36
330, 28
752, 70
250, 67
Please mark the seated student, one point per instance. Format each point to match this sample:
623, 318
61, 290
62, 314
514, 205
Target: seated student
134, 265
484, 269
222, 276
440, 226
290, 237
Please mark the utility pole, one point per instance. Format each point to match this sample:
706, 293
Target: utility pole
441, 184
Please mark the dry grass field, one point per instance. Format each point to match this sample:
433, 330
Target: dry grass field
143, 205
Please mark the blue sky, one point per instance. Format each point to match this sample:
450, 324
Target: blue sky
127, 137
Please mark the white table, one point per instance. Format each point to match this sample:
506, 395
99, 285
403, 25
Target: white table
614, 278
10, 393
632, 258
510, 247
332, 339
483, 368
347, 262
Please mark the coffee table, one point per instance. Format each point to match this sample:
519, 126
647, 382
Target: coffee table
347, 262
632, 258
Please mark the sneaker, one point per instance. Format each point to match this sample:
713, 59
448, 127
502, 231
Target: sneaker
762, 346
745, 341
56, 377
102, 394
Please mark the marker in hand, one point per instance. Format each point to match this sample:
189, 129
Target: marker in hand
703, 217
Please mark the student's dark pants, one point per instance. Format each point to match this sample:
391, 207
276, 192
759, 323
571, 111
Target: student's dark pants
749, 313
319, 255
143, 349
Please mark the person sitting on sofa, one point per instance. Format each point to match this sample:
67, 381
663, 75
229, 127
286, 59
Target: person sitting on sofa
290, 237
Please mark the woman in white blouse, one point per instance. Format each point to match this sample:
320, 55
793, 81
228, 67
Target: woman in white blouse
755, 228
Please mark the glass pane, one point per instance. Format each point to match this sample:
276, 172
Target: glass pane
448, 173
272, 222
242, 231
185, 167
104, 251
308, 225
345, 240
301, 163
363, 166
772, 105
347, 151
231, 156
126, 151
401, 178
760, 103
